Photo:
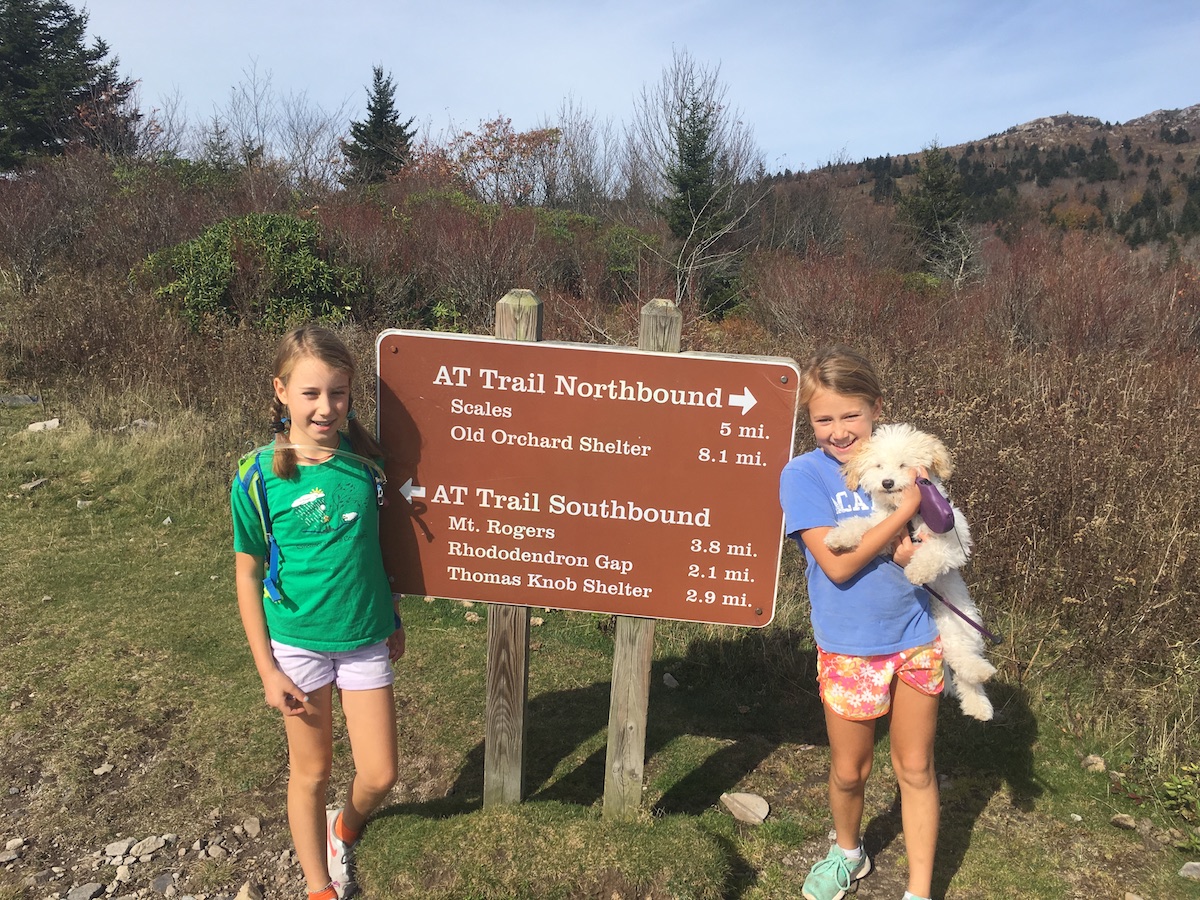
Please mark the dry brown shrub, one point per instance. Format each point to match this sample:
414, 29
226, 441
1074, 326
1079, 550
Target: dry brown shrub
1079, 477
469, 256
821, 299
1084, 292
46, 214
370, 238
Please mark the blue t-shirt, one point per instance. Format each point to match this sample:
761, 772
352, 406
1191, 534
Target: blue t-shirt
877, 611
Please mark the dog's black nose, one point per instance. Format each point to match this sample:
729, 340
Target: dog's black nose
888, 484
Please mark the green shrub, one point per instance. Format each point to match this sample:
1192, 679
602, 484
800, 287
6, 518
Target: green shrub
921, 283
1181, 795
260, 268
623, 248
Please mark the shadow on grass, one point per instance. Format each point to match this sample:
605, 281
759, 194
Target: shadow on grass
980, 760
739, 698
747, 696
977, 760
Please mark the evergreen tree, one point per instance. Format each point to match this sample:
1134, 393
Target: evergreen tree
883, 189
218, 151
693, 209
381, 145
938, 198
691, 160
936, 211
53, 88
1189, 219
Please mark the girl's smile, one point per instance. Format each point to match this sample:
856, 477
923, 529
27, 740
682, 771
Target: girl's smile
317, 398
841, 421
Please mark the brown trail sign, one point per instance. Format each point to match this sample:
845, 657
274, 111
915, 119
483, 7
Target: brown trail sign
585, 477
425, 545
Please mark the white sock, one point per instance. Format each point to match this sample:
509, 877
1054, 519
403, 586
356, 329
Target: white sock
856, 853
909, 895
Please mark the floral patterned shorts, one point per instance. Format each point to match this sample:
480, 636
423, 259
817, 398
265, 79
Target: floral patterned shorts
860, 687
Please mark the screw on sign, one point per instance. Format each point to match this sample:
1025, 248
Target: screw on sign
584, 477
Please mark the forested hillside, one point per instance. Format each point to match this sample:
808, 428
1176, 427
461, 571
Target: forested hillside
1140, 178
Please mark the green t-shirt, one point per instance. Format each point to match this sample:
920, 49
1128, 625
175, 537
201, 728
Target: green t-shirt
335, 594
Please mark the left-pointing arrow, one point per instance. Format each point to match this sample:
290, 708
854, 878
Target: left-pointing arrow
408, 490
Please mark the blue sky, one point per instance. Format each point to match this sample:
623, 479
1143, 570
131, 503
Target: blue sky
816, 81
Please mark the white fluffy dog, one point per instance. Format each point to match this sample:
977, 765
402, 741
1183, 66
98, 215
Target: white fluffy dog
883, 467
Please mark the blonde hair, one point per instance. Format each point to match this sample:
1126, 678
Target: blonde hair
316, 342
842, 371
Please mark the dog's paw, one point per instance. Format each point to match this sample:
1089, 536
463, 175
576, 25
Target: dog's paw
842, 539
975, 702
977, 670
923, 569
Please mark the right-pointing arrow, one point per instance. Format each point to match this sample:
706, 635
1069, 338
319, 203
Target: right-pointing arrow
745, 400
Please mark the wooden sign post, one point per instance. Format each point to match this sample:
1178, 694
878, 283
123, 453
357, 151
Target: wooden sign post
518, 318
660, 328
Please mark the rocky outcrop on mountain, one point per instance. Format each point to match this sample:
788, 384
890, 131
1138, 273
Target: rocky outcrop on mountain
1063, 121
1188, 117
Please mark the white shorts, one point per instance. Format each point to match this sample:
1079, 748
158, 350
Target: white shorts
361, 669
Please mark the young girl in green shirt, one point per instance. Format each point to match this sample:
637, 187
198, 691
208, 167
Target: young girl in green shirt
314, 598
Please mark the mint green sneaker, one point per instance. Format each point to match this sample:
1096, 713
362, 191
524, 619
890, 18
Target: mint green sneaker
832, 877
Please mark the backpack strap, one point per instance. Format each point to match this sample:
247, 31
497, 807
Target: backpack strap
374, 469
379, 480
250, 477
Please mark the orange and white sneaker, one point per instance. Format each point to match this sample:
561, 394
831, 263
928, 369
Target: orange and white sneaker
339, 856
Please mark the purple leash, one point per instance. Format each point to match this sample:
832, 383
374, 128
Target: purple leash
994, 638
957, 611
936, 509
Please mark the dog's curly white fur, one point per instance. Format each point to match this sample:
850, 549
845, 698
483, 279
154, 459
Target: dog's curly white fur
883, 467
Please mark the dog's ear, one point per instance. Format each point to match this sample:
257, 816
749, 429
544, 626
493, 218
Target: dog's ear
941, 462
852, 469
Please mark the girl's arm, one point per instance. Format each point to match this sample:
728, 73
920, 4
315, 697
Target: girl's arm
841, 566
281, 692
396, 641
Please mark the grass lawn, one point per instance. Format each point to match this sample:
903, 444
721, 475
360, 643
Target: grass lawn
123, 648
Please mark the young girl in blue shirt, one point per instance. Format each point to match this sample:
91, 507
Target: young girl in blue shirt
878, 649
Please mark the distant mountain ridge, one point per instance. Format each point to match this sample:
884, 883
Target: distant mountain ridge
1140, 178
1063, 124
1190, 114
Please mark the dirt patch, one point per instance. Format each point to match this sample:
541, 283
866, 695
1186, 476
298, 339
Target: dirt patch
216, 853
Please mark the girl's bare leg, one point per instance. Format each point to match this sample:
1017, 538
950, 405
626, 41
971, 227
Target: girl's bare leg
310, 757
851, 752
371, 726
914, 724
